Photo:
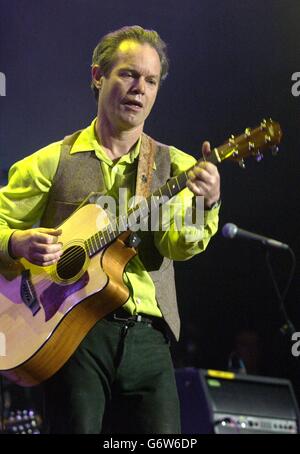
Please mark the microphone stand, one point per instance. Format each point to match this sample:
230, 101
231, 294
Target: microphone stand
287, 329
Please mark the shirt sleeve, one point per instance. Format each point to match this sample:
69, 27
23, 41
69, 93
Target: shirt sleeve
23, 200
187, 227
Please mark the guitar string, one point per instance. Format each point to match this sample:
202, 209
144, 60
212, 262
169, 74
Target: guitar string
79, 251
70, 257
108, 231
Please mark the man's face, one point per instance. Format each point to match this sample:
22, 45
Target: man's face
128, 93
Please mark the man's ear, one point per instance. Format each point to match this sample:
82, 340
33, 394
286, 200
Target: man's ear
97, 76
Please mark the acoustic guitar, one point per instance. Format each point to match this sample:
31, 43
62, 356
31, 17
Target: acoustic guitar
45, 312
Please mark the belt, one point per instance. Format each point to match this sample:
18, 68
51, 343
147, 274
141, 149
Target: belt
122, 315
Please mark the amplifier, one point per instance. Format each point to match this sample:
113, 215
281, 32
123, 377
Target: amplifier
226, 403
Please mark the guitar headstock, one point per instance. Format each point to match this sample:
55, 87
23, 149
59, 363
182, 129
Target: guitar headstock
254, 142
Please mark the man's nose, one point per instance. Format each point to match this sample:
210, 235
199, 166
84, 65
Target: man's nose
139, 85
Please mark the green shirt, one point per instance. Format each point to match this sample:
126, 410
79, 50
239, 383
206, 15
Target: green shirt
22, 202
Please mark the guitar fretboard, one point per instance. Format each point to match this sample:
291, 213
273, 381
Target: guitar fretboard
103, 238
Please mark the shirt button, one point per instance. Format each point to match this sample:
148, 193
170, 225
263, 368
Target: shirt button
138, 301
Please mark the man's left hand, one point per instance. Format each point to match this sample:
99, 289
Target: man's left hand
204, 179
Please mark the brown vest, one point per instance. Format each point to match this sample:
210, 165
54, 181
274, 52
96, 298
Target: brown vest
80, 174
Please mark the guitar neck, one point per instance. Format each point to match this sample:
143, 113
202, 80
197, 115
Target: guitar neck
125, 222
178, 183
251, 143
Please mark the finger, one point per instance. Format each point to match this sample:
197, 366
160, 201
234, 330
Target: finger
199, 188
40, 237
191, 174
47, 248
51, 262
45, 258
202, 174
200, 165
55, 232
206, 149
51, 234
208, 166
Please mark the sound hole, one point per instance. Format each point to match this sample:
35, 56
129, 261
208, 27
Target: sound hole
71, 262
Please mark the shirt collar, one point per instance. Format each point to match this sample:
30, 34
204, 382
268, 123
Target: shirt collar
87, 141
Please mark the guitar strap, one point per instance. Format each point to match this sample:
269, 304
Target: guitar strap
145, 166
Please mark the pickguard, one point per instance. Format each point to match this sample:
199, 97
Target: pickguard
54, 296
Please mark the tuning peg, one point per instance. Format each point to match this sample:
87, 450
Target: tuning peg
242, 163
275, 150
251, 146
258, 156
263, 124
231, 140
268, 139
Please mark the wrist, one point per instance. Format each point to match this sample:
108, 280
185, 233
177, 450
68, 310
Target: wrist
213, 205
12, 249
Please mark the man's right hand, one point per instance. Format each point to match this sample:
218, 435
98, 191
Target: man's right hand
39, 246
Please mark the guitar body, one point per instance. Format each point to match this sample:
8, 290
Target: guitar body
45, 312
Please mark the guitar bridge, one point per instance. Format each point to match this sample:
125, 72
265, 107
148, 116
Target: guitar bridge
28, 294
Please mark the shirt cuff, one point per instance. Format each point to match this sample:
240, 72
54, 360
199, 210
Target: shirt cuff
5, 241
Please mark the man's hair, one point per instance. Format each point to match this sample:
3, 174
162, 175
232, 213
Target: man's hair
105, 50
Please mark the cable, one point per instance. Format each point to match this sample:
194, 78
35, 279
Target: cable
287, 327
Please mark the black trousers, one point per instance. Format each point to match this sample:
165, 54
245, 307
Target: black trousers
119, 380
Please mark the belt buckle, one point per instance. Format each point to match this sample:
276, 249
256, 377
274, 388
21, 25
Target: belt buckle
122, 319
136, 318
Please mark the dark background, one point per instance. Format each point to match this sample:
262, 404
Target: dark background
231, 66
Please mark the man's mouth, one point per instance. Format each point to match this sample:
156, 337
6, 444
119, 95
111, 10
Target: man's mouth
133, 104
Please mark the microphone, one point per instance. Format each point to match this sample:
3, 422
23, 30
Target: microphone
232, 231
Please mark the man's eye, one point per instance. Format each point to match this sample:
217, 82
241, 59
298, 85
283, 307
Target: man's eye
152, 82
126, 74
